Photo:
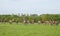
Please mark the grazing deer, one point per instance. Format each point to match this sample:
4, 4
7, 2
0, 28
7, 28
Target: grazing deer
10, 21
56, 22
47, 22
39, 22
24, 21
28, 21
32, 21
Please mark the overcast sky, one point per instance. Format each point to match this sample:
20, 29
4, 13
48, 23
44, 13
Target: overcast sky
30, 6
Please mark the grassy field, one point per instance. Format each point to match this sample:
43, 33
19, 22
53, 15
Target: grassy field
14, 29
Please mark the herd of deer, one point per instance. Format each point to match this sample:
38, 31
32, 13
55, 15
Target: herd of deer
39, 22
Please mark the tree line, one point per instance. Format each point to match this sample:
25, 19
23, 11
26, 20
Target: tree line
34, 18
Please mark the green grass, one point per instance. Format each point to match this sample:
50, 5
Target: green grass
14, 29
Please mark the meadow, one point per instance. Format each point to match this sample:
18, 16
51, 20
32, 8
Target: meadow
20, 29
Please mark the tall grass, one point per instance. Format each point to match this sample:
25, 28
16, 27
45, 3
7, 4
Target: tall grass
14, 29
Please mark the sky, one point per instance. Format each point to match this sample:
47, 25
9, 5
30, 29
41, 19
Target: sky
30, 6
